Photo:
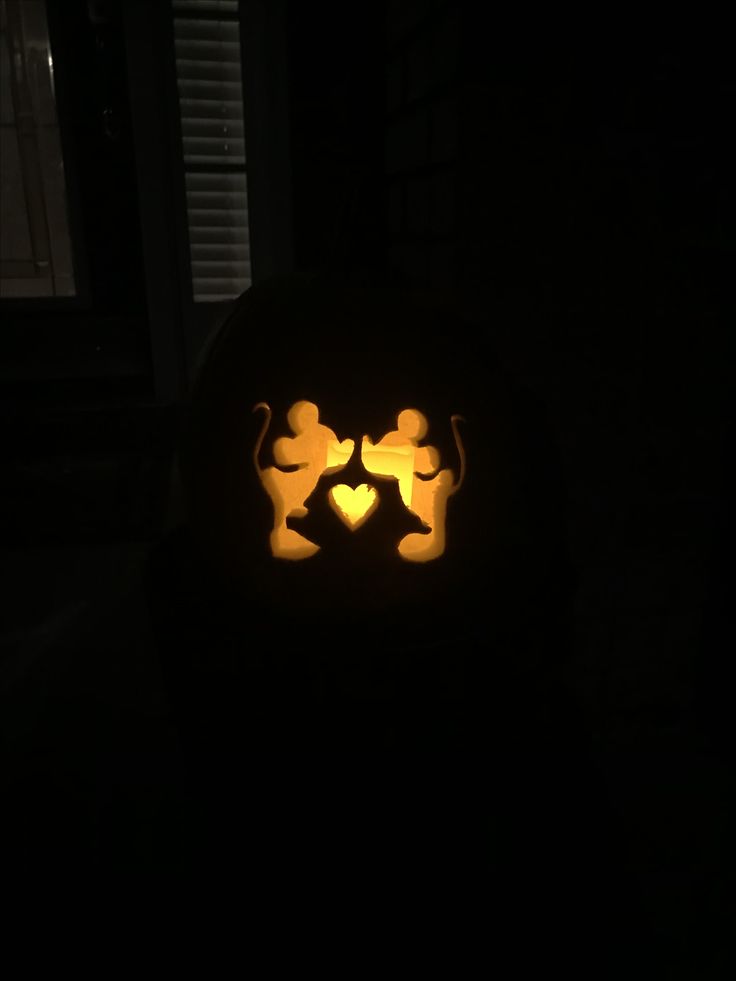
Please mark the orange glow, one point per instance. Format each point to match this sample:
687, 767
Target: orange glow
398, 454
315, 450
429, 502
338, 454
353, 504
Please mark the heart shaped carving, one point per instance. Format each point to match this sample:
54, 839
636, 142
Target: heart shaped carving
354, 505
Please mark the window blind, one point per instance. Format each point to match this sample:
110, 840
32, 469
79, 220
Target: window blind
209, 81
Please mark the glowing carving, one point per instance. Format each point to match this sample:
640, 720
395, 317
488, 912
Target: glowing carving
353, 504
398, 454
315, 450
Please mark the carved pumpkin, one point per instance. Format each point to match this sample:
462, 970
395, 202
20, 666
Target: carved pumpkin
315, 451
347, 490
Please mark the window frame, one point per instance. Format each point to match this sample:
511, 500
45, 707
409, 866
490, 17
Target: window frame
264, 73
67, 349
82, 298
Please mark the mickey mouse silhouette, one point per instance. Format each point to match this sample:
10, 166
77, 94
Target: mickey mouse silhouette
398, 454
313, 450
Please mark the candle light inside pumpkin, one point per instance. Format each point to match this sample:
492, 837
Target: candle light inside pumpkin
353, 504
315, 450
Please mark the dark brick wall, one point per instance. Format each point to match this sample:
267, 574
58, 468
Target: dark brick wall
421, 141
593, 194
335, 87
573, 200
576, 198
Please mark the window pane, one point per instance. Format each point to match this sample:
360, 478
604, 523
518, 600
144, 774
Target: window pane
210, 90
217, 212
213, 7
209, 78
35, 245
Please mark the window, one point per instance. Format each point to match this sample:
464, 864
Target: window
210, 86
35, 244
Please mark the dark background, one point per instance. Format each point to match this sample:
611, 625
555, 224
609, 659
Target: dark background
572, 197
